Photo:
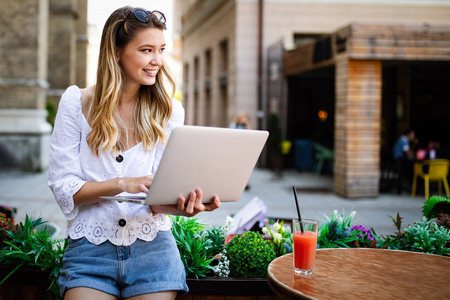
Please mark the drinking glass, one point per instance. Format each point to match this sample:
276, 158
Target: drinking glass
305, 243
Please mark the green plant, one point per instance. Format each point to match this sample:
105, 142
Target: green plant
217, 238
436, 205
199, 246
281, 238
192, 246
336, 231
427, 237
249, 255
26, 246
394, 241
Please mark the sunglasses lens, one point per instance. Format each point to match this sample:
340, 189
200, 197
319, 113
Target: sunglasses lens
142, 16
159, 16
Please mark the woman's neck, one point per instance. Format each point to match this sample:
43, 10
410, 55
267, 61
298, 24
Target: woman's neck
129, 94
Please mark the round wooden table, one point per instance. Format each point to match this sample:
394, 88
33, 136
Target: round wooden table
363, 273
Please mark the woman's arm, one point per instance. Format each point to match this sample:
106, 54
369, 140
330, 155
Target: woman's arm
91, 191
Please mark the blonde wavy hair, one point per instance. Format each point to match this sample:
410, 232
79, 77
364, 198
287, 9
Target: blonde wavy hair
154, 105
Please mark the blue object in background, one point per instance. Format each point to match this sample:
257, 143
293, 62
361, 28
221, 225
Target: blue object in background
304, 155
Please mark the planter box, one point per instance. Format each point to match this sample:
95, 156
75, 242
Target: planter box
32, 284
229, 288
25, 284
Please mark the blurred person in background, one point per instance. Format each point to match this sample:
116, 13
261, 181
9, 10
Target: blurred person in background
241, 121
404, 157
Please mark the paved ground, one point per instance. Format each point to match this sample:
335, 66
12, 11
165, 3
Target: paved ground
30, 194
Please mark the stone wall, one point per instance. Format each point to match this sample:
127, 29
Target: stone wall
38, 44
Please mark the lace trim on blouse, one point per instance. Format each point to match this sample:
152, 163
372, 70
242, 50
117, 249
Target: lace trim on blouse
101, 230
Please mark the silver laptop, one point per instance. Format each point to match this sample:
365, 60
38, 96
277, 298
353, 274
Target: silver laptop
217, 160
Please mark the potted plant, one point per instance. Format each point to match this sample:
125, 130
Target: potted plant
216, 269
30, 260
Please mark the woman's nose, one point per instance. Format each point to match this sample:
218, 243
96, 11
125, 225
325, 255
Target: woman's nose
156, 60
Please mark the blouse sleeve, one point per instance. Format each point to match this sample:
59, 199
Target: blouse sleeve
176, 119
65, 176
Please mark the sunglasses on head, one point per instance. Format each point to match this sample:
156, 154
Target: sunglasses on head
144, 16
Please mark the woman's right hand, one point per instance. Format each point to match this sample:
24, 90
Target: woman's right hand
135, 185
91, 192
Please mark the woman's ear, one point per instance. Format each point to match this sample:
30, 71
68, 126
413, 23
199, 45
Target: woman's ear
117, 54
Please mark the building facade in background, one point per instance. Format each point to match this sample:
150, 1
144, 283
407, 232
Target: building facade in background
235, 54
43, 48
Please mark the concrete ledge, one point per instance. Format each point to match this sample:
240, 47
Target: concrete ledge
24, 139
24, 121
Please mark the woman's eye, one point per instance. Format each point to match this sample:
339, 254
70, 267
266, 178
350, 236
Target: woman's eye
162, 49
147, 50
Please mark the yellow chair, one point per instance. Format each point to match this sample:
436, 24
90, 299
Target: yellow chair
437, 171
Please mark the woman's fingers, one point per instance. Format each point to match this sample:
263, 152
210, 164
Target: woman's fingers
215, 204
194, 204
191, 203
143, 188
198, 201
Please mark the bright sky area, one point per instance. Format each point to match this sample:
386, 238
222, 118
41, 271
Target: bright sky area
99, 11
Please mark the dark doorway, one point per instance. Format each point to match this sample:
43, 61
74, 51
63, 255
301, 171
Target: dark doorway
311, 99
430, 105
426, 111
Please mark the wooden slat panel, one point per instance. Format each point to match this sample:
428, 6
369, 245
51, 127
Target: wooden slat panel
399, 42
396, 31
357, 128
356, 188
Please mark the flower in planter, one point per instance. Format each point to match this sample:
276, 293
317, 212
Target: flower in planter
222, 269
6, 226
363, 235
281, 238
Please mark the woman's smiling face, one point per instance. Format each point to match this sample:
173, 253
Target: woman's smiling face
142, 57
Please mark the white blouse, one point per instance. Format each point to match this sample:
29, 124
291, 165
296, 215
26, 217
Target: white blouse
72, 164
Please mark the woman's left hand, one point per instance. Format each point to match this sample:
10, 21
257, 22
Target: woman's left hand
188, 208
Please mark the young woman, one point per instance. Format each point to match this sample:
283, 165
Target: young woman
109, 139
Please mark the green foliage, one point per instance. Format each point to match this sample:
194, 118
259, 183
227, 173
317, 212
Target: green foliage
192, 247
249, 255
394, 241
198, 246
336, 231
217, 239
51, 113
26, 246
427, 237
436, 205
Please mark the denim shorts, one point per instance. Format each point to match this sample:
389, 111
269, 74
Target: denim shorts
124, 271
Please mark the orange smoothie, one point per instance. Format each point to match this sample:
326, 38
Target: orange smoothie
304, 249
